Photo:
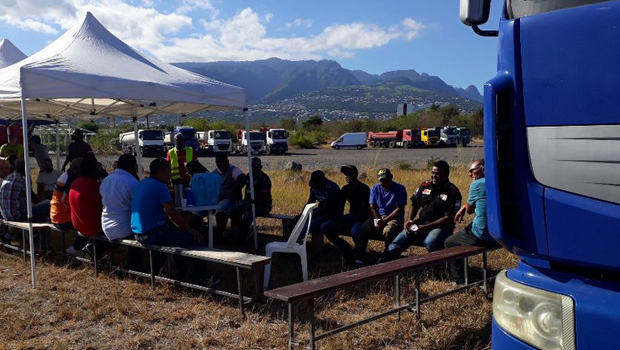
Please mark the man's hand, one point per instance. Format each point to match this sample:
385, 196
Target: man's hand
197, 235
459, 215
408, 225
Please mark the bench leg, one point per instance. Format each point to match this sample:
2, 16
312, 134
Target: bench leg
417, 295
310, 310
24, 245
95, 256
258, 283
152, 266
484, 273
397, 282
466, 268
240, 291
291, 327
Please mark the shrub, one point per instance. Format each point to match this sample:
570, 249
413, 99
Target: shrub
404, 166
301, 140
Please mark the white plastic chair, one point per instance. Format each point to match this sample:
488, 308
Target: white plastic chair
291, 246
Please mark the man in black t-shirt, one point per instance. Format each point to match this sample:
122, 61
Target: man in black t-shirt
241, 215
438, 200
78, 148
357, 194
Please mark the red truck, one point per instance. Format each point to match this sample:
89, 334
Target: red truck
407, 138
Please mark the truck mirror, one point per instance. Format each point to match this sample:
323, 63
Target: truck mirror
475, 12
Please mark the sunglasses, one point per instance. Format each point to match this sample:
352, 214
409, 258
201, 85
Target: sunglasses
473, 169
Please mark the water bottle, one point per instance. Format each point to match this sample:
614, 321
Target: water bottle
178, 195
189, 196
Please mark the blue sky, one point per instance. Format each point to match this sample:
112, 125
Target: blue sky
374, 36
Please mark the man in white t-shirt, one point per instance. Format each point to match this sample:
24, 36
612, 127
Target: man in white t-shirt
47, 179
116, 194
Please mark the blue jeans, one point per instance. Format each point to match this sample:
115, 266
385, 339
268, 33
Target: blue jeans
164, 235
433, 240
315, 226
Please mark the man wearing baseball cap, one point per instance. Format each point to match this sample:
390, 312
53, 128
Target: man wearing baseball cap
357, 194
387, 201
327, 194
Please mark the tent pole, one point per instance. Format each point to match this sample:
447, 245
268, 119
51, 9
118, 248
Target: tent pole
58, 164
249, 148
28, 189
136, 146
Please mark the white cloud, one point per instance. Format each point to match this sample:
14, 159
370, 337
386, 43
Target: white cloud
196, 31
300, 22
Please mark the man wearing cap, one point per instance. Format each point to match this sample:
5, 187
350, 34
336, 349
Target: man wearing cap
438, 201
327, 194
78, 148
387, 201
178, 157
357, 194
12, 148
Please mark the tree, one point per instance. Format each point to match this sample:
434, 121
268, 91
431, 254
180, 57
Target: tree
288, 123
92, 126
313, 122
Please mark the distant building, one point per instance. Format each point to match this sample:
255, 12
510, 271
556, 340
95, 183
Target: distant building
401, 109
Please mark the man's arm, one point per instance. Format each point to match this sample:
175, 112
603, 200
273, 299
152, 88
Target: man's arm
399, 209
176, 217
415, 207
467, 208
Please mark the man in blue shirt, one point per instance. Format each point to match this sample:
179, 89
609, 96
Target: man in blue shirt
477, 232
151, 204
387, 202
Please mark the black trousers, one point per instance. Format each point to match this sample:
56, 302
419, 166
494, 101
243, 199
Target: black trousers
464, 237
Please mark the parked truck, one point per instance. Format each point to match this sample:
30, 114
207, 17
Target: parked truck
215, 141
256, 139
150, 143
191, 138
276, 141
464, 136
407, 138
447, 136
430, 137
551, 127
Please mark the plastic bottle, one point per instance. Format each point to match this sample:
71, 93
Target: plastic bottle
189, 195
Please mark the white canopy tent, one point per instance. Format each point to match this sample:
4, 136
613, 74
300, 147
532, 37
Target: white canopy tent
88, 72
9, 54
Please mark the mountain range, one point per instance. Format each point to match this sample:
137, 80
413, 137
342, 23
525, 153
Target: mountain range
275, 79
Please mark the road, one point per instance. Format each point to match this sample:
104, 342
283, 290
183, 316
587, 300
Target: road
313, 159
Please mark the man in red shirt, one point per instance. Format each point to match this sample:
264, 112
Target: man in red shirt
85, 200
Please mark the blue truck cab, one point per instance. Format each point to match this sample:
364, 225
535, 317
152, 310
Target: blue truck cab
552, 149
191, 139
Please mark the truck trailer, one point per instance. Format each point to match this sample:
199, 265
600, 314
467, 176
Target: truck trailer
150, 143
407, 138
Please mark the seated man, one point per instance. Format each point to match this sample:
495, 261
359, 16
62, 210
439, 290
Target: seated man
13, 148
116, 193
357, 194
387, 213
241, 215
437, 200
233, 180
151, 204
327, 194
13, 197
85, 203
47, 179
60, 210
5, 168
477, 232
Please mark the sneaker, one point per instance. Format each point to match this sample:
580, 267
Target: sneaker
9, 237
73, 252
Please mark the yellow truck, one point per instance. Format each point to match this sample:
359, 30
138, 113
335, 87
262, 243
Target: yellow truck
430, 137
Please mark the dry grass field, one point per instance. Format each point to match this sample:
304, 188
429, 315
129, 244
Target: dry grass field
71, 309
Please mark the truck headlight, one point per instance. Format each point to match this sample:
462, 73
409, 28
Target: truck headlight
538, 317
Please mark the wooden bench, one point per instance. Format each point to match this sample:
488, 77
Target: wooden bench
239, 260
306, 292
25, 227
288, 222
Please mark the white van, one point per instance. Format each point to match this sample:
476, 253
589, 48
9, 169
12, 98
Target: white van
351, 140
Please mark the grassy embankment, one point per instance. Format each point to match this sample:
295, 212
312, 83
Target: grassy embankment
71, 309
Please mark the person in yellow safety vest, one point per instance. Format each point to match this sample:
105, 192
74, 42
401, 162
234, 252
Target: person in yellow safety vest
178, 157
